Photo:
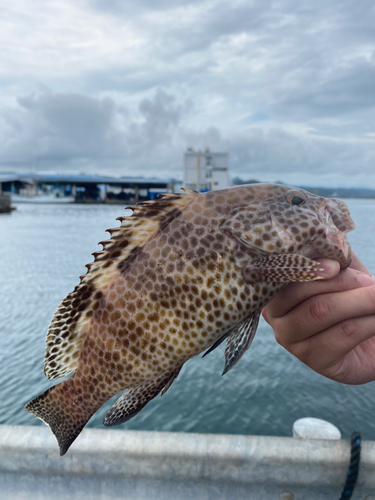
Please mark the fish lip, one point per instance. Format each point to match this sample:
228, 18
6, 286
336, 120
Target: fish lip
336, 237
344, 261
339, 240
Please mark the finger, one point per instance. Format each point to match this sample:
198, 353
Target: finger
357, 264
331, 352
321, 312
295, 293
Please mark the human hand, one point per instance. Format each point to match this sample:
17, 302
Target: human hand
329, 324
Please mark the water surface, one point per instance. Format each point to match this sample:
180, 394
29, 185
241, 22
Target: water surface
44, 249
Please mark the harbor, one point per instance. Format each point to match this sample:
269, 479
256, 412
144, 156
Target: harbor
251, 409
187, 280
66, 188
209, 437
203, 171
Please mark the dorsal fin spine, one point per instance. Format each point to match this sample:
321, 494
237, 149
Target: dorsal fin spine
133, 233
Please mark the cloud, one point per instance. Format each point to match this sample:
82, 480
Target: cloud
51, 128
65, 131
289, 60
75, 132
285, 86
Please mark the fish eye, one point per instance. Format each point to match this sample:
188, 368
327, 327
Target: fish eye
296, 200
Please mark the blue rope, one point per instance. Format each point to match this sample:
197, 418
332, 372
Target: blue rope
351, 479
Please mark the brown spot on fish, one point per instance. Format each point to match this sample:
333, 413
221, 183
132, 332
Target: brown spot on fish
173, 280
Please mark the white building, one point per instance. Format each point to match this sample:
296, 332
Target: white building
205, 170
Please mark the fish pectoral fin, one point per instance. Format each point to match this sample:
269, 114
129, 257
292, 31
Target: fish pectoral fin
135, 399
240, 339
281, 268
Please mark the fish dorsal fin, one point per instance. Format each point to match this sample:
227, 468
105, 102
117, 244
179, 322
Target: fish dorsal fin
71, 321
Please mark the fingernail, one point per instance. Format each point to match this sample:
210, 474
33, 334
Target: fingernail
366, 280
327, 267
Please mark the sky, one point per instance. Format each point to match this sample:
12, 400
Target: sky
117, 87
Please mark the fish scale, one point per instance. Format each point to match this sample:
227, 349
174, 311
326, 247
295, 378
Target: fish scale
178, 277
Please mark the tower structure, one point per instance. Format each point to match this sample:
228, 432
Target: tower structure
205, 171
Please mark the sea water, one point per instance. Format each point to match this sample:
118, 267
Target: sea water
44, 249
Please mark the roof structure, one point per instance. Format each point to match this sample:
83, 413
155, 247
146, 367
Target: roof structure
146, 182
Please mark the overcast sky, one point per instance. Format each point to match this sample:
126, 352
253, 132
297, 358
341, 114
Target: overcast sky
123, 87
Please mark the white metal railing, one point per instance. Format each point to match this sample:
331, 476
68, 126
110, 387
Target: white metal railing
136, 465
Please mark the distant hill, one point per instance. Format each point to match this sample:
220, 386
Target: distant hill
237, 181
329, 192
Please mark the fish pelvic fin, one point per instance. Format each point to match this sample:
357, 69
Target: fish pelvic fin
218, 342
135, 399
66, 416
240, 340
74, 315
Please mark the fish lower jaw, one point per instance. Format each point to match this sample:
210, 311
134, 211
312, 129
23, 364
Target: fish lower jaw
340, 241
342, 257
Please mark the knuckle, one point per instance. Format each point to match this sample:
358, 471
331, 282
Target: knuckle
319, 308
348, 329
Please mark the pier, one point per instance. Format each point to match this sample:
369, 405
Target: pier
138, 465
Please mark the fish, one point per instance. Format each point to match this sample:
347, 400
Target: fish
178, 277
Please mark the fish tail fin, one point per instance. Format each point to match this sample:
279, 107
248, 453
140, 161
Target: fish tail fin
63, 410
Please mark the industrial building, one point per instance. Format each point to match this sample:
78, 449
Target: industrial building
81, 188
205, 171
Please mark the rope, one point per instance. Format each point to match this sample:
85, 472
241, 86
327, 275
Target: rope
351, 479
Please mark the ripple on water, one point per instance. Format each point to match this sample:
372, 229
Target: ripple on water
45, 249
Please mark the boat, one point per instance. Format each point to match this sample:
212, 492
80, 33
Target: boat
42, 198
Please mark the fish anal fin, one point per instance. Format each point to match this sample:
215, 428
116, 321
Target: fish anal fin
240, 339
282, 268
135, 399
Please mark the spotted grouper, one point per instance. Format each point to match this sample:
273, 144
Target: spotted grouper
179, 276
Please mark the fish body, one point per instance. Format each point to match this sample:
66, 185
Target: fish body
178, 277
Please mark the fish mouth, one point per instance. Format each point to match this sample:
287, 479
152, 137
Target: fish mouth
343, 252
338, 240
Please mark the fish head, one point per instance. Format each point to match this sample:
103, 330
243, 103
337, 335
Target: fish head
318, 225
282, 219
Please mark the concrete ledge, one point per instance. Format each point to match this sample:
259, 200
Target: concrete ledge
110, 464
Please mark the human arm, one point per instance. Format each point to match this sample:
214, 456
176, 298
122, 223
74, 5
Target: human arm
329, 324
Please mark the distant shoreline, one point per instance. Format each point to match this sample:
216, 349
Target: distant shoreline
327, 192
